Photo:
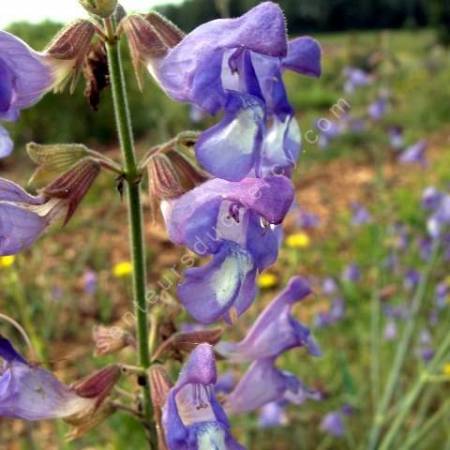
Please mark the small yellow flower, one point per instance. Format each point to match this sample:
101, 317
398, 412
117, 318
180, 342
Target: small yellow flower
446, 369
267, 280
7, 261
298, 240
123, 269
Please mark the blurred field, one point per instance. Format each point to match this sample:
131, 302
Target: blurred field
44, 288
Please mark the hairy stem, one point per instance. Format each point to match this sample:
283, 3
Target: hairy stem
132, 177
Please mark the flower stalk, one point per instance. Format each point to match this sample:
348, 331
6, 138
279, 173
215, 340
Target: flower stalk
132, 177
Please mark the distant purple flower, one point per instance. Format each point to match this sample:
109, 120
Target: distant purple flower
328, 133
415, 154
442, 293
401, 236
440, 219
31, 393
333, 424
333, 315
360, 215
236, 223
307, 220
426, 350
426, 248
329, 286
378, 109
431, 198
272, 415
263, 383
396, 138
351, 273
355, 78
24, 79
192, 417
276, 330
411, 279
399, 312
391, 262
90, 282
235, 66
390, 331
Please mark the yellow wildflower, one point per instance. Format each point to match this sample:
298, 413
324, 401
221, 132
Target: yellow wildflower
446, 369
123, 269
298, 240
7, 261
267, 280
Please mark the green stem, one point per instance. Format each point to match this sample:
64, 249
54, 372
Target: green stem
132, 176
402, 351
414, 394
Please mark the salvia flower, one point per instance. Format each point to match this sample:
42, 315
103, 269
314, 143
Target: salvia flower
431, 198
192, 417
442, 293
235, 66
440, 219
360, 215
333, 424
411, 279
333, 315
276, 330
24, 79
307, 219
355, 78
272, 415
378, 109
396, 138
236, 223
31, 393
351, 273
264, 383
24, 217
390, 330
415, 154
329, 286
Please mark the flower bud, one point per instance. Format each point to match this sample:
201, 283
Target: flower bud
100, 8
68, 50
97, 387
109, 340
171, 174
72, 186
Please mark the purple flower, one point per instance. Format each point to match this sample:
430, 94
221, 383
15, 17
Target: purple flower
360, 215
431, 198
415, 154
442, 292
329, 286
263, 383
351, 273
23, 217
333, 424
24, 78
307, 220
31, 393
426, 248
440, 218
378, 109
236, 224
235, 66
333, 315
396, 138
276, 330
355, 78
411, 279
90, 282
390, 331
192, 417
328, 133
272, 415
